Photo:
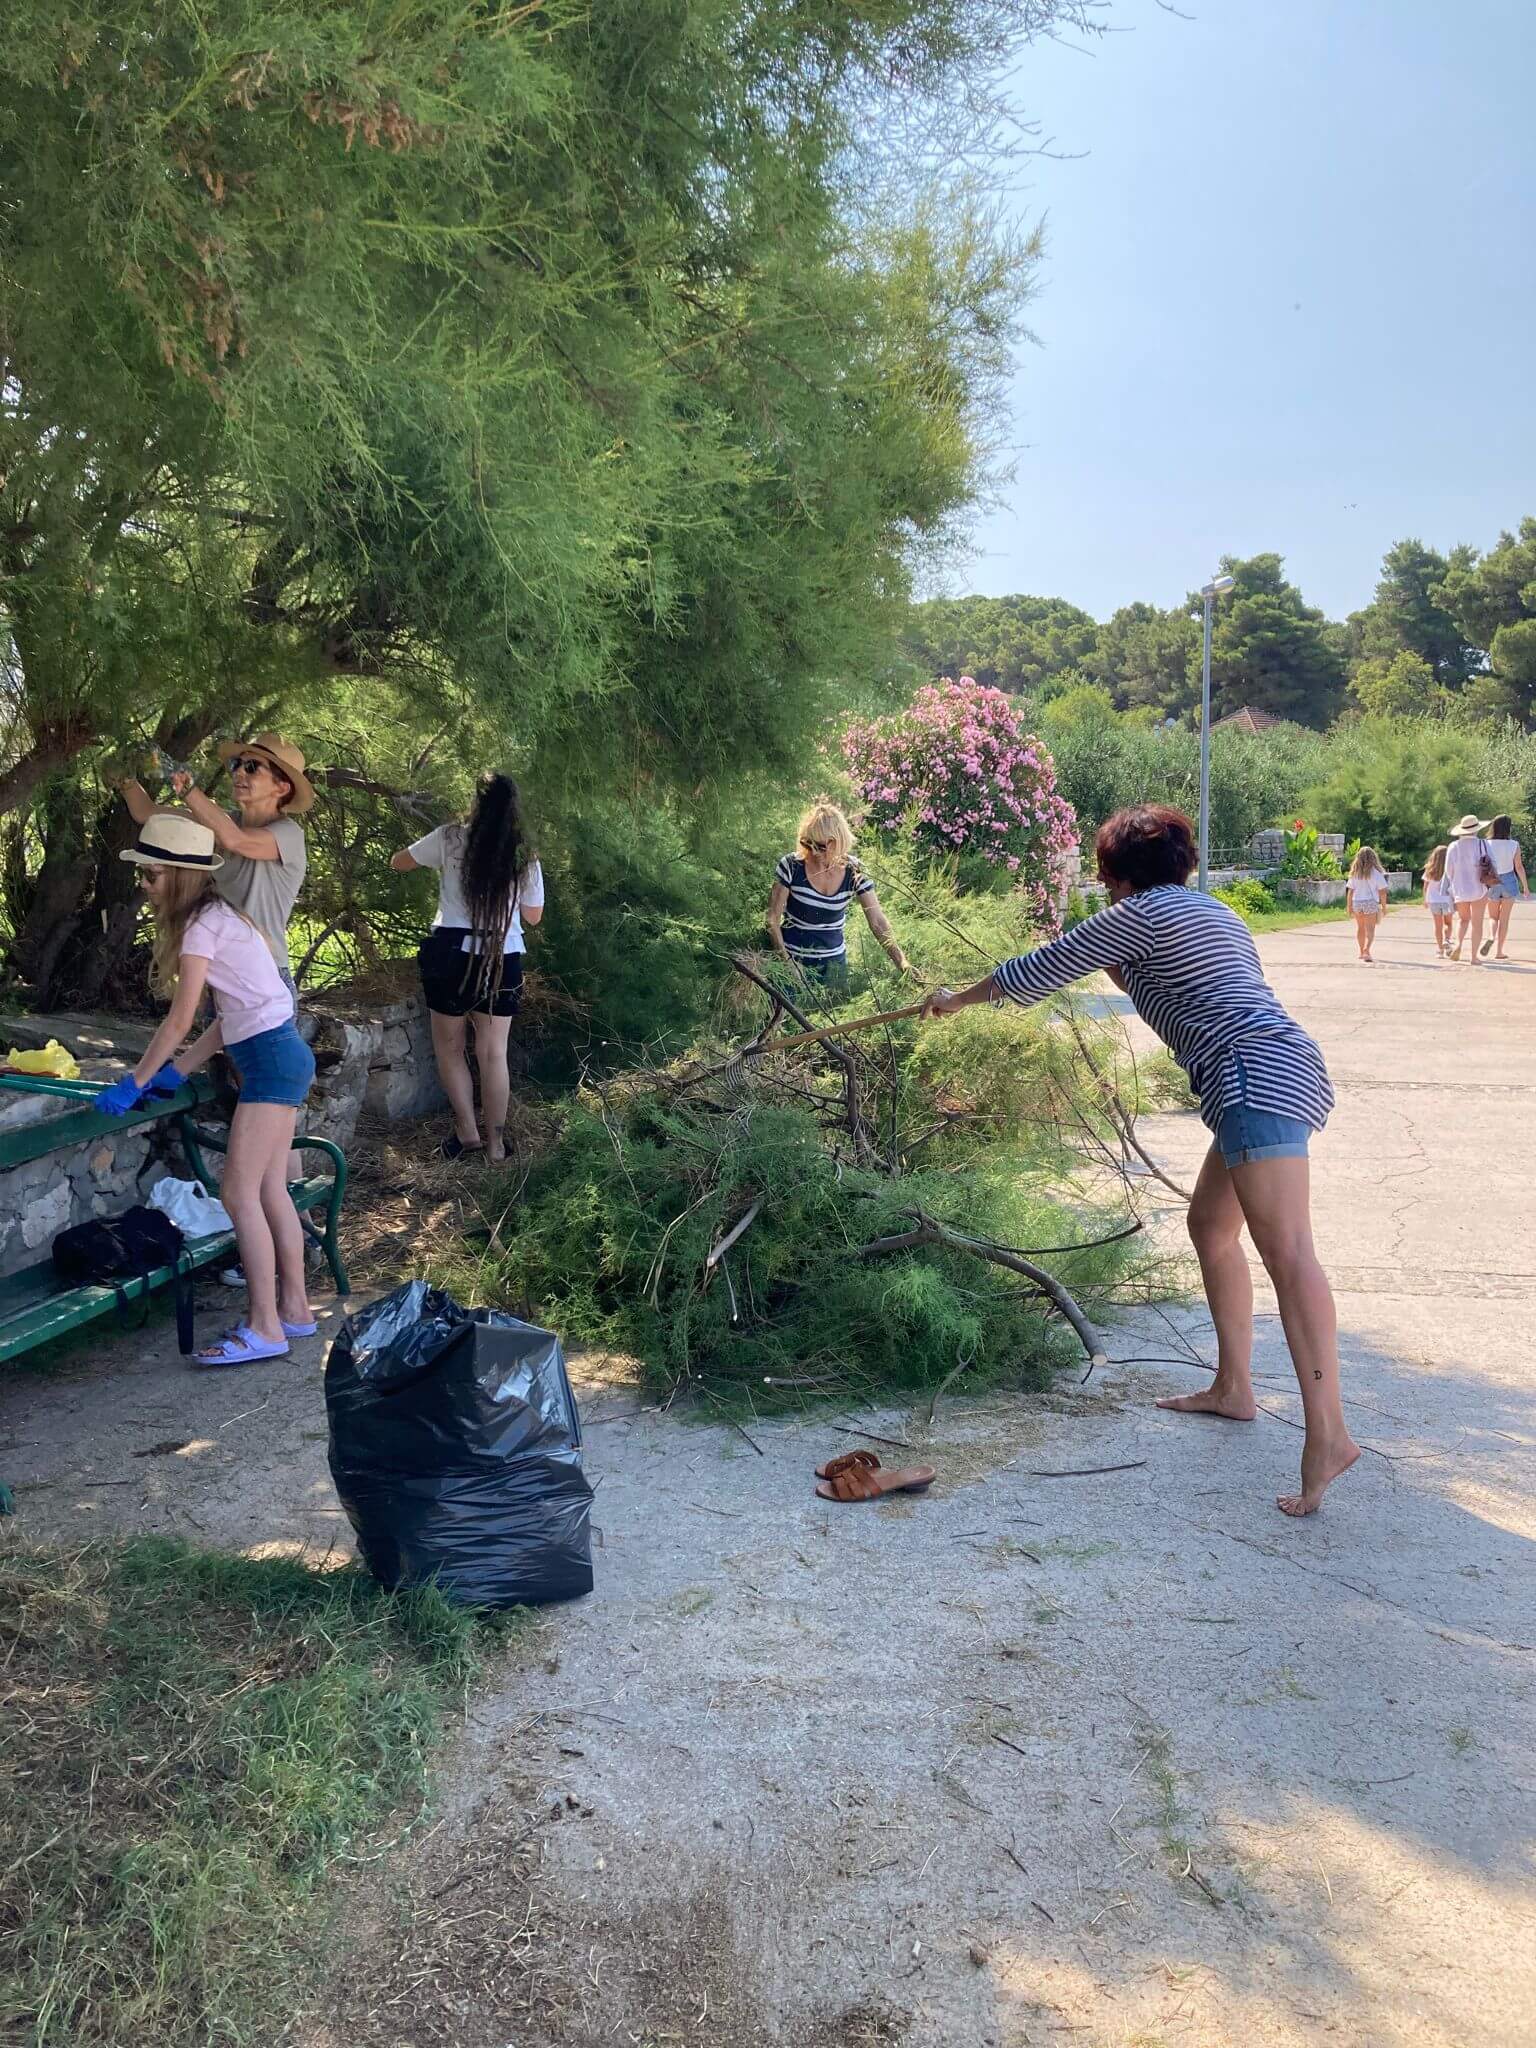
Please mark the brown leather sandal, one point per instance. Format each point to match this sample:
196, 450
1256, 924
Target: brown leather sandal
860, 1483
848, 1462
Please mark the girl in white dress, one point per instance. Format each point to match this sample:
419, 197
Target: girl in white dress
1439, 901
1367, 897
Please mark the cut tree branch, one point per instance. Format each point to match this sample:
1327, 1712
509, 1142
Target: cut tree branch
928, 1230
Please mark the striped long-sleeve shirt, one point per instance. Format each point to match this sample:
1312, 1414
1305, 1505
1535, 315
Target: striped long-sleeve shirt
1190, 966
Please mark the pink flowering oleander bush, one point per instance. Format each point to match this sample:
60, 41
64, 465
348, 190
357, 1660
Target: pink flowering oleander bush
957, 770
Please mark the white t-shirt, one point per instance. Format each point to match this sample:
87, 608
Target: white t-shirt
248, 991
443, 849
1366, 891
1504, 852
1461, 862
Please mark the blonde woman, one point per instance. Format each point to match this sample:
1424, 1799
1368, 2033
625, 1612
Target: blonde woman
1367, 897
812, 890
202, 942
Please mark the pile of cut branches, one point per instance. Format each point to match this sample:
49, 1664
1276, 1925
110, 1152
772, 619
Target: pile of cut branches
851, 1215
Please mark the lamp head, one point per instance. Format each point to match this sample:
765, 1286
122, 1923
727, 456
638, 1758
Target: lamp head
1218, 586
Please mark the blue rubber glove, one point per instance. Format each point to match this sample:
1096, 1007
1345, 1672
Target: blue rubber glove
122, 1096
167, 1081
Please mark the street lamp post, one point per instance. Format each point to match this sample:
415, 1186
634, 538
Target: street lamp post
1212, 590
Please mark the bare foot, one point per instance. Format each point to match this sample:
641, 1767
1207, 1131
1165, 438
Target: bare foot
1214, 1401
1319, 1469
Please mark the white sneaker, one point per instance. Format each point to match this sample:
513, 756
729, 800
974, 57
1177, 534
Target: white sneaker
232, 1276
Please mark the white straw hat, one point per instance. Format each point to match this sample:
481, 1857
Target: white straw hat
1471, 827
170, 839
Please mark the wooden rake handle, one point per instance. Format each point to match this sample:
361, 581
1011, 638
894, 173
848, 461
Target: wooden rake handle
837, 1030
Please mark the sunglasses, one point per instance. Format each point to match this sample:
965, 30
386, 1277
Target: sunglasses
249, 764
816, 845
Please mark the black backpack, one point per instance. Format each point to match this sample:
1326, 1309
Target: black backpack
110, 1250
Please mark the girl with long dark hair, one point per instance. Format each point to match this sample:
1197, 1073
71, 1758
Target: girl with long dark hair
490, 887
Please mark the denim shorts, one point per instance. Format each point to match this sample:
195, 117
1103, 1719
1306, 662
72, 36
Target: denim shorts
1506, 885
1245, 1133
274, 1066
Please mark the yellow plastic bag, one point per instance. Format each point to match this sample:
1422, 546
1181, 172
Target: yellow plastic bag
54, 1059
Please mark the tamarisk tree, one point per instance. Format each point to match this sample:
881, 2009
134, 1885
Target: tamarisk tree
554, 357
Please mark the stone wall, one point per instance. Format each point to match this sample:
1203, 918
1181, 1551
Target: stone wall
377, 1053
102, 1177
369, 1053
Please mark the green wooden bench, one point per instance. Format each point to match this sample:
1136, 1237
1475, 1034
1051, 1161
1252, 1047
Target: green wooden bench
34, 1307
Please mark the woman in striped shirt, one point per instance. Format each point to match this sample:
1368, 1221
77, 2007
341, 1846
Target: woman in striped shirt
812, 890
1190, 966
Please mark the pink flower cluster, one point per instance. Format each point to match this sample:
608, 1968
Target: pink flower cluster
957, 766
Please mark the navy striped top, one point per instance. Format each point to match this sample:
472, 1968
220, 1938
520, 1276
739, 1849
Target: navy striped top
1190, 966
815, 926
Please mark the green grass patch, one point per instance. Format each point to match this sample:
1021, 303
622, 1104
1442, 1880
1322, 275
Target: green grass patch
191, 1739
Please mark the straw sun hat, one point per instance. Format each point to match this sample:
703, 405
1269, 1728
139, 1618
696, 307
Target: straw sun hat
1471, 828
170, 839
271, 746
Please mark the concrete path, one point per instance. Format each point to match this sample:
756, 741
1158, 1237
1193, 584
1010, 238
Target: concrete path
1123, 1759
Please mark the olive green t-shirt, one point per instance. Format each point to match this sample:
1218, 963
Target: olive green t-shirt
266, 890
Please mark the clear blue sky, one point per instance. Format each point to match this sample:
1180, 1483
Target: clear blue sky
1288, 300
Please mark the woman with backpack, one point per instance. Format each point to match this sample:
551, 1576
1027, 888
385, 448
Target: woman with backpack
203, 943
490, 887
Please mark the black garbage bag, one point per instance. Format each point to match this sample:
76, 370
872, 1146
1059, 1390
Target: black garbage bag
455, 1448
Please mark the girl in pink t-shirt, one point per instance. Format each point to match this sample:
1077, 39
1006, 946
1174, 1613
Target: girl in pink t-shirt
203, 943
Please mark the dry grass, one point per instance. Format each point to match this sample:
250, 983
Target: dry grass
472, 1951
410, 1211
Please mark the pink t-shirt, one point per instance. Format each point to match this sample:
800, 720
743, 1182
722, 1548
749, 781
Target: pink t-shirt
248, 991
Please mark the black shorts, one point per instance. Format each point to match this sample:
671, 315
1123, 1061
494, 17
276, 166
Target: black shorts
451, 979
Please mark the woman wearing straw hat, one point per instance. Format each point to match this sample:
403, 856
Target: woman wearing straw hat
202, 943
263, 852
1468, 870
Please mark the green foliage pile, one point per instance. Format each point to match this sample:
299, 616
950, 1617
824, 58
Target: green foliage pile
611, 1239
192, 1739
975, 1120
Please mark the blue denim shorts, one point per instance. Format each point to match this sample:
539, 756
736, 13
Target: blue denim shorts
1506, 885
274, 1066
1245, 1134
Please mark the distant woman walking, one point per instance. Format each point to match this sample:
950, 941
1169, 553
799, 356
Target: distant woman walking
490, 887
1504, 852
1189, 965
813, 888
1468, 870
